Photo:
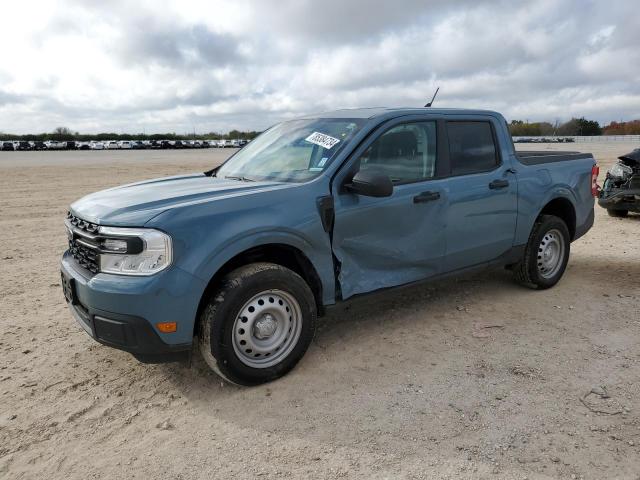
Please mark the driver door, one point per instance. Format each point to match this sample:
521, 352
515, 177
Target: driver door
390, 241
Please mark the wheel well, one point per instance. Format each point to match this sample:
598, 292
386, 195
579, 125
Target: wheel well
562, 208
280, 254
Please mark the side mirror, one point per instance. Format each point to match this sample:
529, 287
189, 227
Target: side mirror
370, 184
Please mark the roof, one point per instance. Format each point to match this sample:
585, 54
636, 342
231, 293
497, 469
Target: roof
393, 112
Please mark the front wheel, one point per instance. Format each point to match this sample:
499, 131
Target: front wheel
258, 325
546, 254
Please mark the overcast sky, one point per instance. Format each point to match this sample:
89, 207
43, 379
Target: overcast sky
133, 66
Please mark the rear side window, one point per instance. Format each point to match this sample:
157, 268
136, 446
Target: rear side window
471, 147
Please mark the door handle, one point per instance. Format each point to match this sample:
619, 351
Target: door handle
500, 183
425, 197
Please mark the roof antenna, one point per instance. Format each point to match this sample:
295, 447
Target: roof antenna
434, 97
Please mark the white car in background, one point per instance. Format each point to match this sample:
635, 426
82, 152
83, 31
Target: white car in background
125, 144
96, 146
111, 145
53, 145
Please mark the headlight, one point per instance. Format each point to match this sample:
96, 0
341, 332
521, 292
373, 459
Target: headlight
620, 170
134, 251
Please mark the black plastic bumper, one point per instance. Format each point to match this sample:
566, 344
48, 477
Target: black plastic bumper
620, 199
131, 334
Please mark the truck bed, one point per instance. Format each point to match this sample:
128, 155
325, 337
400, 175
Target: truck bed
545, 156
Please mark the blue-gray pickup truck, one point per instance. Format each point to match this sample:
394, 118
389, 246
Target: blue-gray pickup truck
242, 259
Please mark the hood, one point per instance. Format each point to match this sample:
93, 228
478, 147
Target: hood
135, 204
631, 157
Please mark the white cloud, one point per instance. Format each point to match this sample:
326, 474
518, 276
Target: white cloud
216, 65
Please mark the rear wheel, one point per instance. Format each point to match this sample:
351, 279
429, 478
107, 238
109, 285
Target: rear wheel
546, 254
618, 213
258, 325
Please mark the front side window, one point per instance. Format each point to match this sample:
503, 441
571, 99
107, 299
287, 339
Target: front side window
294, 151
405, 153
472, 148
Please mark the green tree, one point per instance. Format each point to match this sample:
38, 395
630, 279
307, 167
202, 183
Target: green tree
580, 126
518, 128
62, 133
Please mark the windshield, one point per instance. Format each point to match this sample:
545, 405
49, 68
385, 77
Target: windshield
295, 151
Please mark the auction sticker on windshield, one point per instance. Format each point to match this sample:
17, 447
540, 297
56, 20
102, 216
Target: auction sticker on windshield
321, 139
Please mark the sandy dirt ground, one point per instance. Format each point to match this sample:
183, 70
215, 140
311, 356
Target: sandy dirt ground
475, 377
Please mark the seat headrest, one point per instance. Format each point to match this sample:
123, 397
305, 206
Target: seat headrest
397, 144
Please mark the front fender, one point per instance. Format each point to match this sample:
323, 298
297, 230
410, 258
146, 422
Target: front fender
207, 235
232, 247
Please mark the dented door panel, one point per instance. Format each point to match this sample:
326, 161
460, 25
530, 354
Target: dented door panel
385, 242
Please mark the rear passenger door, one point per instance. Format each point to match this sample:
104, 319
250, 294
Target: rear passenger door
482, 192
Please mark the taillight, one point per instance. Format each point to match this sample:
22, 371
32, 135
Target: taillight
595, 188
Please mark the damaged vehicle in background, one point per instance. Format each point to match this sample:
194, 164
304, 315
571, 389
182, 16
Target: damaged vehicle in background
621, 190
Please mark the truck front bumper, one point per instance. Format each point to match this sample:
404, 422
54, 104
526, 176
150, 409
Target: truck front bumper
121, 312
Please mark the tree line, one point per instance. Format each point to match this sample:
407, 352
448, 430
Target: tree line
574, 127
518, 128
62, 134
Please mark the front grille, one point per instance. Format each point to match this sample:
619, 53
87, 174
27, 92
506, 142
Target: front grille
82, 245
86, 257
82, 224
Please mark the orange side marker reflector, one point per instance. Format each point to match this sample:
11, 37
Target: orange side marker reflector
167, 327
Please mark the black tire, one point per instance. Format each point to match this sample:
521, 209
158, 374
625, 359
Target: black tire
618, 213
216, 329
527, 271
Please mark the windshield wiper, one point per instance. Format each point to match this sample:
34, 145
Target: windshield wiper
242, 179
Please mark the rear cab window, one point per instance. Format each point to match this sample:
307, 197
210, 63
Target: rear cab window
472, 147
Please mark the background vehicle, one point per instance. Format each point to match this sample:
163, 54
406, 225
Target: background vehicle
125, 144
621, 190
111, 145
7, 146
53, 145
39, 145
96, 146
313, 212
22, 145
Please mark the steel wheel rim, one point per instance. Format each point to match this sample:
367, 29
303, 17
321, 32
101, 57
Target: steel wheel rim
550, 253
267, 328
